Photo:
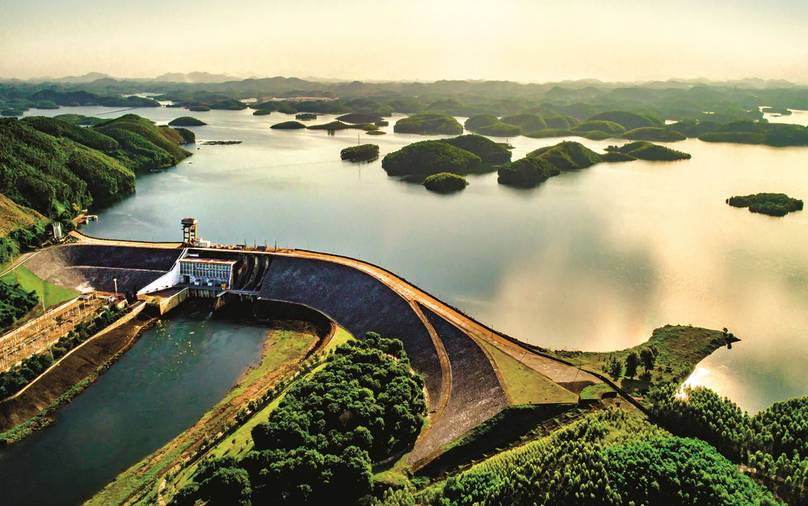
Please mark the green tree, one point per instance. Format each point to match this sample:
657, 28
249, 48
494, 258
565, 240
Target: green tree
632, 361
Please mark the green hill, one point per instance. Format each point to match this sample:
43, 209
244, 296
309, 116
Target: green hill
693, 128
199, 108
526, 122
644, 150
79, 119
656, 134
609, 127
475, 122
430, 157
229, 104
445, 182
186, 121
500, 130
526, 172
142, 145
57, 175
746, 132
628, 120
428, 123
488, 150
56, 167
552, 132
562, 122
567, 155
358, 117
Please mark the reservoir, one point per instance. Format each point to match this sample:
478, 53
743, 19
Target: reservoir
591, 260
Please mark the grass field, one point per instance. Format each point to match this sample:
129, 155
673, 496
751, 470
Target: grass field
679, 350
525, 385
593, 392
48, 292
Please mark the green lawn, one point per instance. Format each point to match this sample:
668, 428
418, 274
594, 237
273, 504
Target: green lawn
48, 292
525, 385
593, 392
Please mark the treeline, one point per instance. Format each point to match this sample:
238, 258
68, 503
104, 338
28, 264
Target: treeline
774, 442
611, 457
15, 303
16, 378
318, 444
16, 102
57, 168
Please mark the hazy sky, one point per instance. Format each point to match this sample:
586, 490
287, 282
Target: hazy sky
530, 40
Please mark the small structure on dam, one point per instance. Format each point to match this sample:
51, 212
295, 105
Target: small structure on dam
189, 231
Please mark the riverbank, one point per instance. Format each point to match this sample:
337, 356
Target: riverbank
31, 408
288, 344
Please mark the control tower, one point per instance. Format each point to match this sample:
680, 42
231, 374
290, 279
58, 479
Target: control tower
189, 231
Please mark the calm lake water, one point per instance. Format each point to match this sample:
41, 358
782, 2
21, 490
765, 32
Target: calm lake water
166, 382
593, 260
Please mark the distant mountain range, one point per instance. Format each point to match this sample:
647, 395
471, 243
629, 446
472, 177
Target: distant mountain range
208, 78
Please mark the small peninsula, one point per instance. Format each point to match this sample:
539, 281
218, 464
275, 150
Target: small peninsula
773, 204
187, 121
445, 182
288, 125
644, 150
361, 153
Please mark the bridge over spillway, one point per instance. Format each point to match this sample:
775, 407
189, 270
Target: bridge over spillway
459, 358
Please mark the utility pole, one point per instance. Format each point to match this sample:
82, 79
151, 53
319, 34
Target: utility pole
115, 280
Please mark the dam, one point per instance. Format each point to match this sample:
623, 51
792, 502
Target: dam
462, 361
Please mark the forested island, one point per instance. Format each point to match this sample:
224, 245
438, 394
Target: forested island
361, 153
773, 204
430, 157
186, 121
445, 182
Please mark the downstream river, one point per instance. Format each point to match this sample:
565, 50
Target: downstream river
590, 260
174, 374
